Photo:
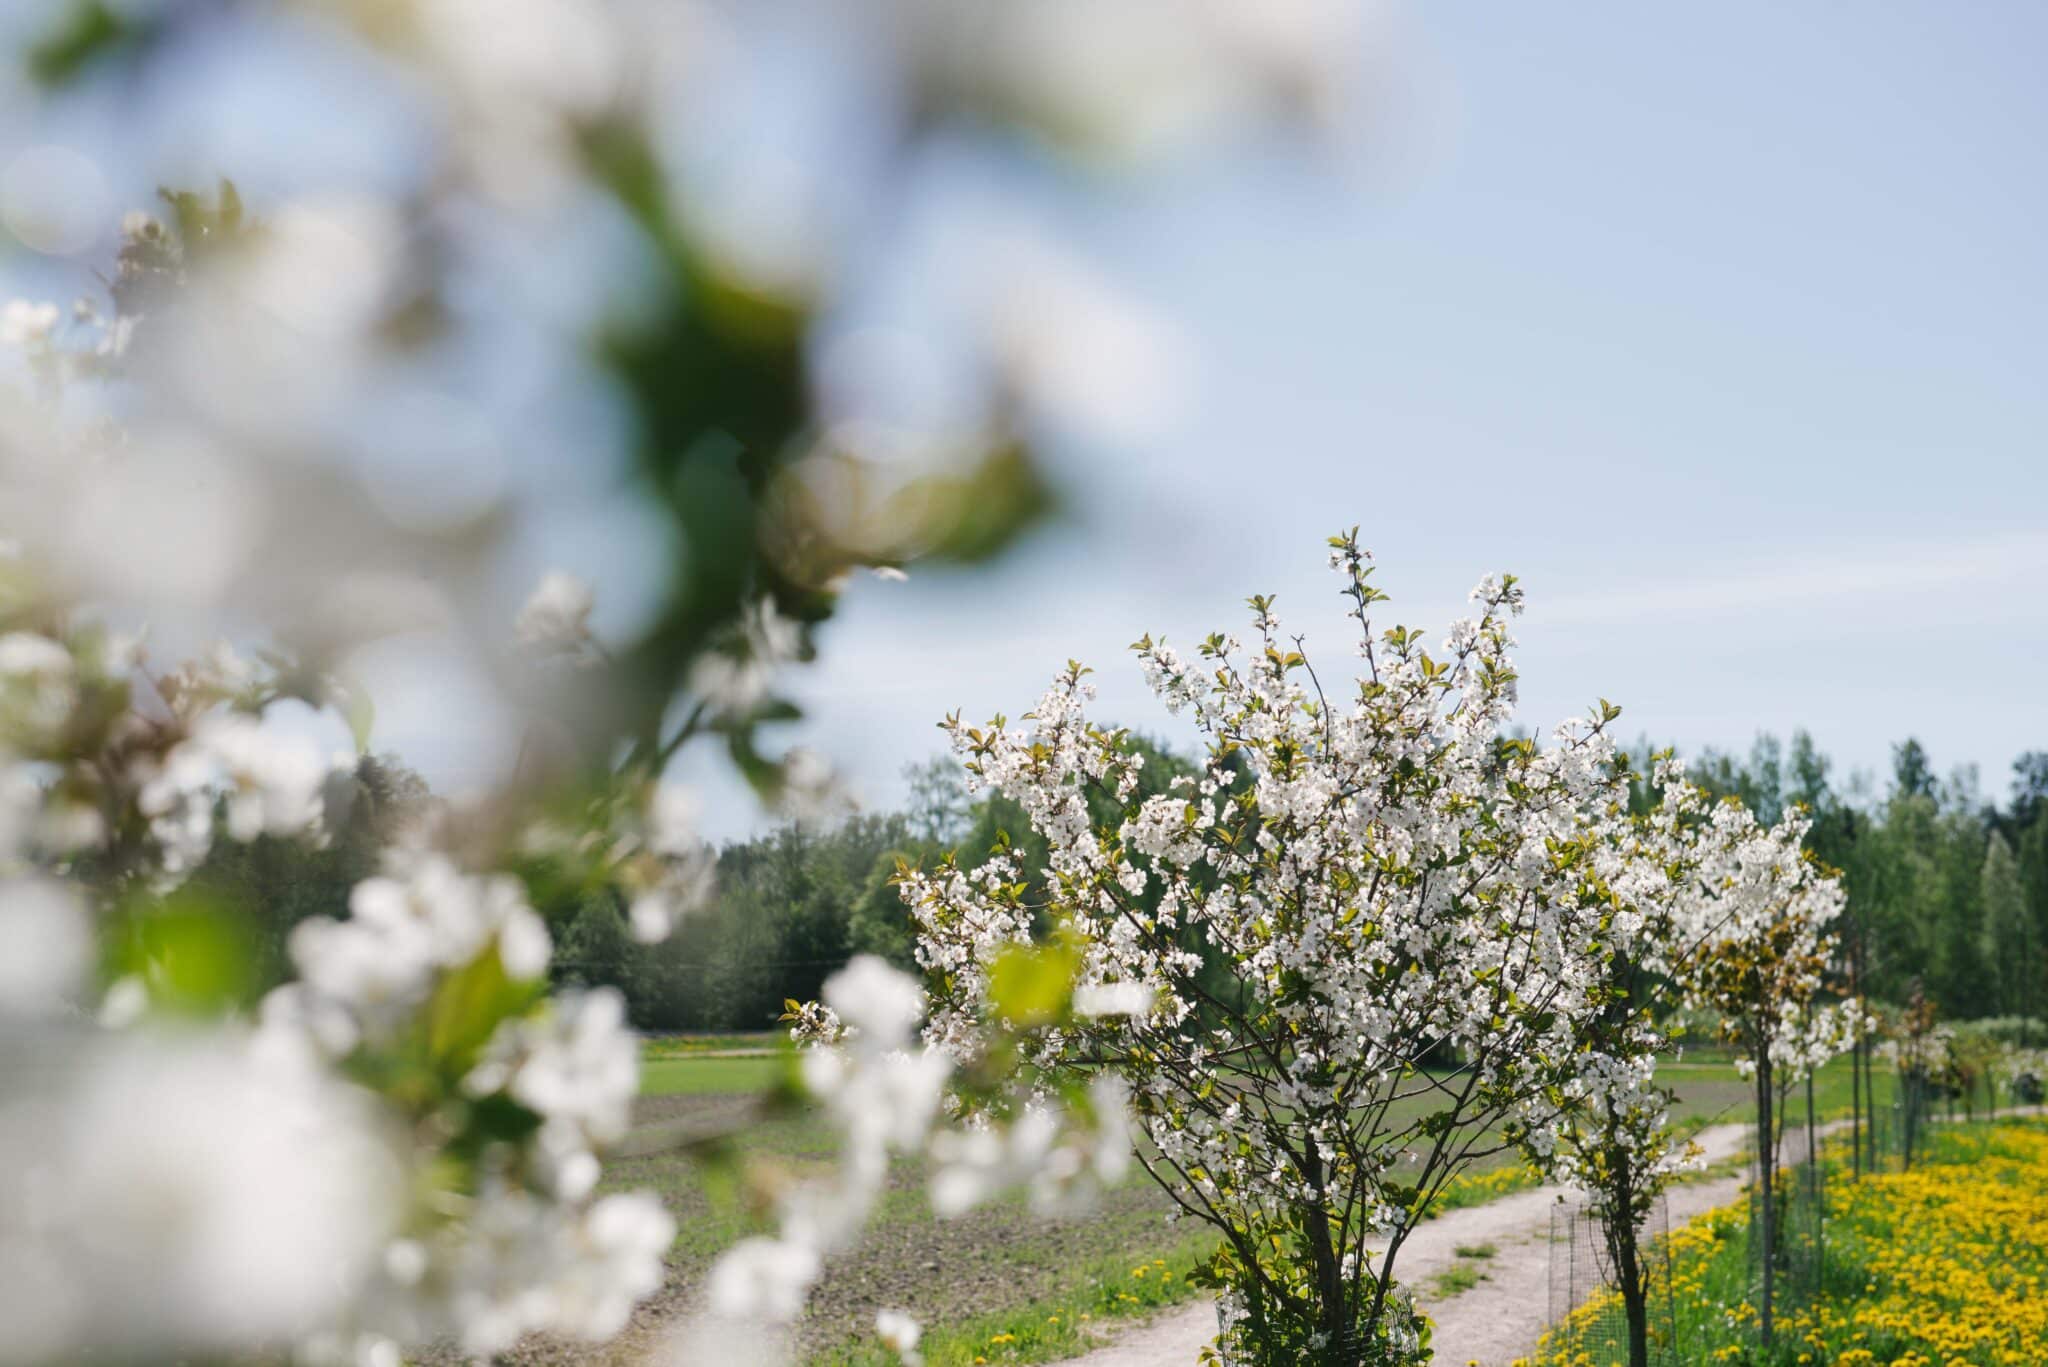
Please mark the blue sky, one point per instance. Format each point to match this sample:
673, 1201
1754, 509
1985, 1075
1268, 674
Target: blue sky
1722, 327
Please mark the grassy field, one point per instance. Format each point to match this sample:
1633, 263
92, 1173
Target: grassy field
686, 1076
1942, 1266
1710, 1092
700, 1046
1003, 1284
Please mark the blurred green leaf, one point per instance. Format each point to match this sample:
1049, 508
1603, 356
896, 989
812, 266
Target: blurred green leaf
361, 711
467, 1008
495, 1119
87, 30
196, 950
1032, 984
972, 516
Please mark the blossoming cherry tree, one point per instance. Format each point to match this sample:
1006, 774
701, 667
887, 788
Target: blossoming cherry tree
1275, 953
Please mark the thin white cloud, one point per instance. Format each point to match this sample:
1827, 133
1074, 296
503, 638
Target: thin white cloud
1878, 581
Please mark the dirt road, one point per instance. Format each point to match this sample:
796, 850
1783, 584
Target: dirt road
1495, 1321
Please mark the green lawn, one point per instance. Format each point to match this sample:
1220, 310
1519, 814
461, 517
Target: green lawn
752, 1041
688, 1076
1710, 1092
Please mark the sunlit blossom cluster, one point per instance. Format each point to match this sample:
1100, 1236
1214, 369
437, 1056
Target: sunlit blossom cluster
1761, 929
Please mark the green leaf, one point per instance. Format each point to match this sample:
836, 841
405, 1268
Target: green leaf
496, 1119
971, 516
360, 712
196, 951
1033, 984
467, 1008
88, 30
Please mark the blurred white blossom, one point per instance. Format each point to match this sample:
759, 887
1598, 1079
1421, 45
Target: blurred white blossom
555, 619
47, 946
899, 1333
25, 324
184, 1195
736, 676
379, 963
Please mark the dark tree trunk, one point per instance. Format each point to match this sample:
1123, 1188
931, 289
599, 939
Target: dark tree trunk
1911, 1122
1333, 1303
1617, 1206
1856, 1104
1767, 1204
1622, 1246
1635, 1301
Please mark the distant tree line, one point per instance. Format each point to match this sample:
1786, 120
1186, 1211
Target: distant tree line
793, 905
1948, 888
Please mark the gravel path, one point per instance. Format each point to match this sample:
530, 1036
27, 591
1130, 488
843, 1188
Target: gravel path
1494, 1322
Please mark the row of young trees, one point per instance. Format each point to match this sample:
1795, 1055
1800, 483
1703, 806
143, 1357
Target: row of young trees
1341, 940
792, 907
1370, 937
1948, 886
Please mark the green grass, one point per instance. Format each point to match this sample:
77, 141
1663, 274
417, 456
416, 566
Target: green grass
684, 1046
1711, 1092
685, 1076
1462, 1275
1454, 1280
